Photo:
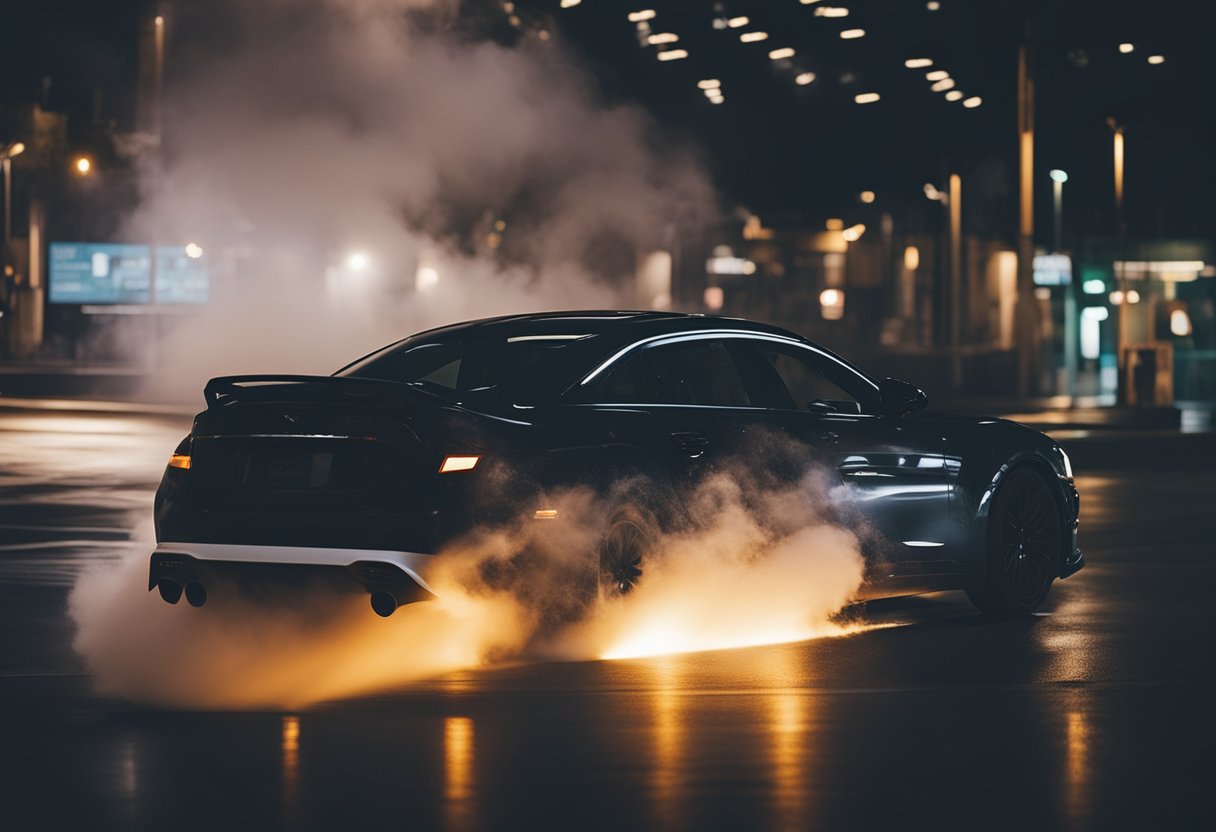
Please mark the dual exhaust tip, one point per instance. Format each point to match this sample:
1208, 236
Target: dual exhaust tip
171, 592
383, 603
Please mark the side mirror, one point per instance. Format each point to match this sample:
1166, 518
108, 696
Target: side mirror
897, 399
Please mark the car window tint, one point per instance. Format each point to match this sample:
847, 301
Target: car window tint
696, 372
433, 363
631, 383
808, 388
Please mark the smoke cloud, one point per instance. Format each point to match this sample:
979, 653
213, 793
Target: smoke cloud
473, 175
356, 171
751, 564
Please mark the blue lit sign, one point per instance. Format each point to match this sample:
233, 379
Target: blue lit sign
181, 275
100, 273
1052, 270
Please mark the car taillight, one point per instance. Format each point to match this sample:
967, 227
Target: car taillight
452, 464
180, 458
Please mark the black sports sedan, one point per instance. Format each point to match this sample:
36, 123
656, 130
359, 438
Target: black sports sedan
364, 476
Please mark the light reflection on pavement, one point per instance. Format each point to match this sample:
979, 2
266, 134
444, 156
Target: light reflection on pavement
1096, 714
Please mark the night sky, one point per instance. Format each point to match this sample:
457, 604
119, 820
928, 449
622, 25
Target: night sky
805, 152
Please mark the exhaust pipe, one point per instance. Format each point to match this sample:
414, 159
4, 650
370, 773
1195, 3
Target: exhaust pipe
170, 591
196, 594
383, 603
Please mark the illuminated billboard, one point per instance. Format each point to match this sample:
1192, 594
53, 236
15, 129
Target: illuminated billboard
181, 275
100, 273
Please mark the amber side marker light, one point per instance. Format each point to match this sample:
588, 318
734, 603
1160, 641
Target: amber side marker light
545, 514
451, 464
179, 461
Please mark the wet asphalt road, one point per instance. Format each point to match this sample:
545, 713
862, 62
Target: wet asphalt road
1096, 714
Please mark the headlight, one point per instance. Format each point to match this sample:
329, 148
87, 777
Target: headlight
1067, 463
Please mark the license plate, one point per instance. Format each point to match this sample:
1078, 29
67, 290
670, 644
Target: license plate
279, 470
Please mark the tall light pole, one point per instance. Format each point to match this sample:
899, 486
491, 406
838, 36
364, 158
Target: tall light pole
1058, 178
1025, 310
6, 162
159, 80
955, 205
1120, 270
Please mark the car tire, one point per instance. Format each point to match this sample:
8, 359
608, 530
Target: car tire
624, 549
1024, 541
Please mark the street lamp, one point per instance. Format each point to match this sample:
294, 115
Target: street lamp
6, 160
1058, 178
82, 165
1120, 275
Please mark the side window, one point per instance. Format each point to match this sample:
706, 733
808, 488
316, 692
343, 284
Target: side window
696, 372
437, 364
806, 380
630, 383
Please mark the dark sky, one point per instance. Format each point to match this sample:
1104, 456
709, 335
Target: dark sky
781, 148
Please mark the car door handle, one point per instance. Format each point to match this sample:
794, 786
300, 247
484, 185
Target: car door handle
692, 444
827, 437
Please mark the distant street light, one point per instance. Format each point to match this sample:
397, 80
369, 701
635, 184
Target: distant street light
356, 261
83, 165
1058, 178
6, 159
1125, 48
1120, 270
955, 206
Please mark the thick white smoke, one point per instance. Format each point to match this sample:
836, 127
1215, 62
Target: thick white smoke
298, 133
750, 564
302, 131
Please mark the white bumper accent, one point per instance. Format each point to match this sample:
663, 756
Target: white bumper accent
413, 564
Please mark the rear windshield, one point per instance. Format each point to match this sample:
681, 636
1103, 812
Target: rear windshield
523, 369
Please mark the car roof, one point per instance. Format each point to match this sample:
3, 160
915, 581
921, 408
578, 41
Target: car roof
626, 325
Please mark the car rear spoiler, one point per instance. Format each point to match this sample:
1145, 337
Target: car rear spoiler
224, 391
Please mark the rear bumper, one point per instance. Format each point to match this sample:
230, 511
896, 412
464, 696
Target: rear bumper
401, 574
